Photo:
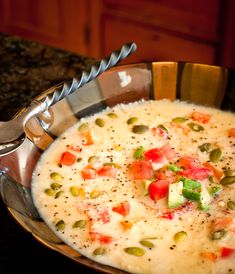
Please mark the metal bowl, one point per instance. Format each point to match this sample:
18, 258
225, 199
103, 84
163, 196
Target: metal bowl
197, 83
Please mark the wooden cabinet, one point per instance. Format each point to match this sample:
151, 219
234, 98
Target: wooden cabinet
60, 23
154, 44
178, 30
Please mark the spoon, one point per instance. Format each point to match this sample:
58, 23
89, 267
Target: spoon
12, 132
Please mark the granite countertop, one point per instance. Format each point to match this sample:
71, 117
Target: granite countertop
26, 69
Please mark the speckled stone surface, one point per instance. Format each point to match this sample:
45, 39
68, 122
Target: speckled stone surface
27, 69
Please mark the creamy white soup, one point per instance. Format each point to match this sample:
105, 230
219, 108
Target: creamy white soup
146, 187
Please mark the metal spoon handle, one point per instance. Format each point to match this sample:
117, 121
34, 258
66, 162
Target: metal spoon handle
12, 132
96, 69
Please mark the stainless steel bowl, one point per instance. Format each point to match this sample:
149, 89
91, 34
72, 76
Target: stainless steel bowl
197, 83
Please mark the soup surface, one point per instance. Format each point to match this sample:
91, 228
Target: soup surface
146, 187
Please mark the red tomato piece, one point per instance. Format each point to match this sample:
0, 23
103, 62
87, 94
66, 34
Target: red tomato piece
161, 132
108, 171
231, 132
158, 189
89, 172
159, 155
200, 117
198, 173
168, 152
226, 252
188, 162
141, 169
188, 206
154, 155
104, 216
165, 174
67, 158
168, 215
123, 208
103, 239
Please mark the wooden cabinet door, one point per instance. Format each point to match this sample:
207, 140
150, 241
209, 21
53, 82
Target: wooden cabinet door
54, 22
153, 44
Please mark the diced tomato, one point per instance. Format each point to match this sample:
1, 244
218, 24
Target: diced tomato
168, 152
163, 173
188, 162
200, 117
226, 252
198, 173
160, 132
89, 172
87, 137
141, 169
216, 173
188, 206
168, 215
158, 189
166, 174
159, 155
231, 132
104, 216
103, 239
67, 158
123, 208
208, 255
107, 171
227, 223
154, 155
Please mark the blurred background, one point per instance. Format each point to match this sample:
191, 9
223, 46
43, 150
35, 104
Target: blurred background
178, 30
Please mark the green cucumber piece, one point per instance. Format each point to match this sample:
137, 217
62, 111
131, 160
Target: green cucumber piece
191, 184
175, 197
173, 168
191, 194
205, 199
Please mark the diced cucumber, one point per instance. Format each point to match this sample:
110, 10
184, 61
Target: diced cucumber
205, 199
175, 197
190, 184
173, 168
145, 184
191, 194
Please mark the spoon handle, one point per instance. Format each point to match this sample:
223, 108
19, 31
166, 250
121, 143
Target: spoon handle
12, 132
96, 70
